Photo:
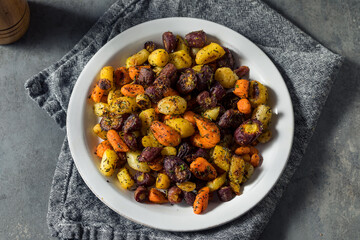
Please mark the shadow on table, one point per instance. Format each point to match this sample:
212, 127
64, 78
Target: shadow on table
298, 193
52, 26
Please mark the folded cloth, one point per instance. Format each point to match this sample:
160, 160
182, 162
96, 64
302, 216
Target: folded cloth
307, 67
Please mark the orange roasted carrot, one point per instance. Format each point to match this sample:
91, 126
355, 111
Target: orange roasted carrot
253, 150
242, 150
244, 106
256, 159
202, 169
116, 142
201, 142
156, 196
189, 115
170, 92
121, 76
157, 164
201, 200
242, 88
135, 70
207, 129
97, 94
165, 135
132, 90
102, 147
101, 87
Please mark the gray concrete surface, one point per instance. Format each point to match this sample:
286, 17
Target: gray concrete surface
323, 199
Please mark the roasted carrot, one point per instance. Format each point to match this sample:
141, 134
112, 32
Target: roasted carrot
170, 92
207, 129
201, 200
201, 142
244, 106
253, 150
165, 135
132, 90
157, 164
189, 115
242, 150
242, 88
97, 94
202, 169
101, 87
116, 142
121, 76
135, 70
256, 160
102, 147
156, 196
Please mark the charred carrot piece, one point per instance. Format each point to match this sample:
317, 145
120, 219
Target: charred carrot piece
132, 90
201, 142
135, 71
156, 196
121, 76
97, 94
116, 142
165, 135
244, 106
208, 130
189, 115
101, 86
242, 150
202, 169
201, 200
102, 147
242, 88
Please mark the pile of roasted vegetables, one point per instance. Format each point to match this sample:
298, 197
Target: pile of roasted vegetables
180, 121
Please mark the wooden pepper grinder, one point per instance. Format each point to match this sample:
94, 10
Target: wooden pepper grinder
14, 20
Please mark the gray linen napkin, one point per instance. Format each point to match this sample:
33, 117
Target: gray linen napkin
307, 67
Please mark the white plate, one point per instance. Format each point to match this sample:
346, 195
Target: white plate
81, 119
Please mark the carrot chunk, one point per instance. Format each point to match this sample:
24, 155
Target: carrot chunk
116, 142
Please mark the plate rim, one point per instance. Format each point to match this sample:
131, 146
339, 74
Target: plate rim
70, 112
